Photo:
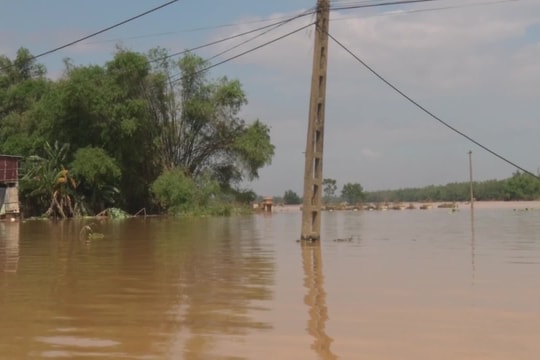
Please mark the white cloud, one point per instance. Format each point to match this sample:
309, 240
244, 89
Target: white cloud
451, 51
370, 153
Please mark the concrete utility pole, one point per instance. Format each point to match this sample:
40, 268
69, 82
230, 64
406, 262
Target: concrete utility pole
311, 211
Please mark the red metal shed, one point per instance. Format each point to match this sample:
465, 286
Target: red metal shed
9, 169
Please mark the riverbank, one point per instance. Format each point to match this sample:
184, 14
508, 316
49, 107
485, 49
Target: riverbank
518, 205
509, 205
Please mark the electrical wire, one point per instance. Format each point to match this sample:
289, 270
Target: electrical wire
96, 33
220, 26
356, 2
233, 36
450, 7
168, 56
249, 51
258, 47
308, 12
274, 24
425, 110
204, 28
285, 20
197, 29
386, 3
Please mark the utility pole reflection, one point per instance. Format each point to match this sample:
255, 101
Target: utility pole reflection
9, 246
473, 250
315, 299
472, 216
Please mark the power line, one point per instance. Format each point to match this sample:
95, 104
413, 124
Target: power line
275, 25
356, 2
271, 28
288, 18
431, 114
197, 29
233, 36
219, 26
449, 7
229, 25
279, 23
308, 12
250, 50
259, 46
96, 33
386, 3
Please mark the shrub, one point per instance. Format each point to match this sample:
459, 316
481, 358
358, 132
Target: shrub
175, 191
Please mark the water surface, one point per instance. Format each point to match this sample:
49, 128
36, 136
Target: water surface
398, 285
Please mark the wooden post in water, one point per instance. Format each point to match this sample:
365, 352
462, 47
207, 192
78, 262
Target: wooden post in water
311, 210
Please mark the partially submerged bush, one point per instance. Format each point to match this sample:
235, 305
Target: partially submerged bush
177, 193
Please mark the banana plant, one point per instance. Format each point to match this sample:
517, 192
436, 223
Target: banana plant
51, 182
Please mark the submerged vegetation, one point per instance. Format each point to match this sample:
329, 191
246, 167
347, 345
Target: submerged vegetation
141, 131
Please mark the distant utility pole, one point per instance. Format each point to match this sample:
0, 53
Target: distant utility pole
471, 180
311, 210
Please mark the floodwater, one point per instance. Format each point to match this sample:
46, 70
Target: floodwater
410, 284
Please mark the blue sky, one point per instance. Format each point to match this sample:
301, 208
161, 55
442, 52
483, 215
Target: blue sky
476, 66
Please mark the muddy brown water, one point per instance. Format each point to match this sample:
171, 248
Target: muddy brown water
400, 285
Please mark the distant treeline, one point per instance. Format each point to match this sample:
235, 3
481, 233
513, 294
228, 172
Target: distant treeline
518, 187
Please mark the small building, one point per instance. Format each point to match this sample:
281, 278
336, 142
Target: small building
267, 203
9, 185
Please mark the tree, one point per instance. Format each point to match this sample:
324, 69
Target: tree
98, 176
329, 189
105, 107
23, 67
352, 193
174, 191
199, 123
244, 196
132, 119
22, 85
178, 193
522, 187
291, 198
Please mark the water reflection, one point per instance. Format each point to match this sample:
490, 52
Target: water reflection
238, 288
222, 283
155, 288
473, 245
315, 299
9, 246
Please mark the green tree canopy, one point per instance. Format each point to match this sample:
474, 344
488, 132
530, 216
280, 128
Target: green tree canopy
130, 120
352, 193
522, 187
98, 175
329, 189
199, 123
518, 187
175, 191
291, 198
22, 85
